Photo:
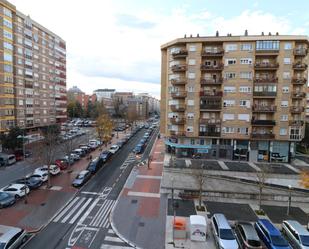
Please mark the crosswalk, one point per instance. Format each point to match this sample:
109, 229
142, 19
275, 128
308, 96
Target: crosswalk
131, 158
112, 241
95, 210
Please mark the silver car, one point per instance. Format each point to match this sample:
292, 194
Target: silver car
11, 237
296, 233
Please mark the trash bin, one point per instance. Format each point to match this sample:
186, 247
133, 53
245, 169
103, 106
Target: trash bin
179, 224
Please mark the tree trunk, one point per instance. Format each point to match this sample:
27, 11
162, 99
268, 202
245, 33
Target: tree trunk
200, 196
48, 176
260, 197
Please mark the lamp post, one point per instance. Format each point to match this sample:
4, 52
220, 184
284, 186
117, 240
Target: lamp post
24, 159
289, 200
172, 179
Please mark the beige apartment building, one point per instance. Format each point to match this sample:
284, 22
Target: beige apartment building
33, 72
235, 97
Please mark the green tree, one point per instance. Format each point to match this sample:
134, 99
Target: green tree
104, 127
75, 109
10, 141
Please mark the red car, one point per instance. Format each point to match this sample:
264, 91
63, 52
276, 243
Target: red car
61, 163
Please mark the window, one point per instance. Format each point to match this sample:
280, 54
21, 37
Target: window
267, 45
7, 57
244, 103
20, 50
8, 68
287, 46
284, 103
287, 61
284, 117
7, 23
8, 46
230, 47
191, 76
243, 130
228, 102
227, 116
174, 50
283, 131
192, 48
190, 129
246, 47
19, 61
190, 115
228, 129
245, 75
286, 75
190, 102
191, 89
246, 61
245, 89
230, 61
285, 89
229, 89
229, 75
7, 12
192, 62
21, 102
7, 34
244, 117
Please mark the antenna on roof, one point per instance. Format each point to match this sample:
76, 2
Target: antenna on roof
246, 32
198, 35
277, 33
262, 33
217, 33
185, 36
191, 35
269, 33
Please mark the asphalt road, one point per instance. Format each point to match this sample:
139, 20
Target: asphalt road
84, 222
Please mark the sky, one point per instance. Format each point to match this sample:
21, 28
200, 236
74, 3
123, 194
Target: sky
116, 44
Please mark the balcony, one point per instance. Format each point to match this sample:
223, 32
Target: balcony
263, 122
297, 109
296, 123
266, 80
177, 133
300, 51
262, 108
210, 121
209, 94
218, 67
177, 121
269, 52
299, 81
28, 85
177, 82
209, 134
300, 66
179, 68
298, 95
264, 94
266, 66
213, 53
297, 137
213, 107
262, 136
177, 108
179, 95
211, 81
182, 53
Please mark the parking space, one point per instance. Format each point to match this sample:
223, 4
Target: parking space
275, 168
239, 166
232, 211
279, 213
185, 208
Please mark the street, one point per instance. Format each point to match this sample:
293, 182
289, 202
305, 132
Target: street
84, 222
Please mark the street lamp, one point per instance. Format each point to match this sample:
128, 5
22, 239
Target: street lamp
24, 159
289, 200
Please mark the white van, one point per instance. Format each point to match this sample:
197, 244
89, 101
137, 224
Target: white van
12, 237
11, 159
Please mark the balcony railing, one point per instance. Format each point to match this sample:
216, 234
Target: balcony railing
211, 81
177, 121
209, 134
217, 107
177, 108
266, 66
262, 108
211, 94
300, 66
267, 51
266, 80
263, 122
218, 67
182, 53
213, 53
300, 51
299, 81
176, 82
179, 95
262, 136
297, 137
297, 109
177, 133
265, 94
296, 122
210, 121
179, 68
298, 95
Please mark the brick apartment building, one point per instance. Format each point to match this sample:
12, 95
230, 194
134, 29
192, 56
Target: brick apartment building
235, 97
75, 93
33, 89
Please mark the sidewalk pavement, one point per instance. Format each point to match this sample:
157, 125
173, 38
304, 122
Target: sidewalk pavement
139, 215
44, 203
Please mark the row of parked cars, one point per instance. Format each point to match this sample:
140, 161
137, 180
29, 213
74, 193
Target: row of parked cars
140, 147
261, 234
76, 132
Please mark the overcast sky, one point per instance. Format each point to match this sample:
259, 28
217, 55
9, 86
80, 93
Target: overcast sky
116, 44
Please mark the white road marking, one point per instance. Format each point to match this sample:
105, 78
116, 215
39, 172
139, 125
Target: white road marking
65, 210
149, 177
143, 194
104, 214
73, 210
104, 222
98, 215
90, 193
113, 239
80, 211
82, 219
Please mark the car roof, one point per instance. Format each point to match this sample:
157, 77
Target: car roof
298, 227
249, 230
16, 185
83, 172
269, 226
222, 221
7, 232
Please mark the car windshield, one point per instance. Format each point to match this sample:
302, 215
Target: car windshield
305, 239
279, 241
3, 195
2, 245
80, 177
226, 234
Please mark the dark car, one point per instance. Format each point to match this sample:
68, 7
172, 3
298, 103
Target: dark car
95, 165
105, 155
143, 141
247, 236
81, 178
139, 149
120, 143
6, 200
31, 182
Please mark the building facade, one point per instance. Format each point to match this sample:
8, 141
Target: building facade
235, 97
75, 93
104, 93
33, 72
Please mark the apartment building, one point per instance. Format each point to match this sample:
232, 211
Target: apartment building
74, 93
235, 97
33, 75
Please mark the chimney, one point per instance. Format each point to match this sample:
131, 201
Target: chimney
277, 33
217, 33
198, 35
246, 32
262, 33
269, 33
185, 36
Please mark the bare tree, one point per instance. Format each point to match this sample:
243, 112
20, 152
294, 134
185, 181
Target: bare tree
200, 178
68, 146
261, 177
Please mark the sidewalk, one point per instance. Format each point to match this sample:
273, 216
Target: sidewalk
44, 203
139, 216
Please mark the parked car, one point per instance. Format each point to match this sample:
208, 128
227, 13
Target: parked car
139, 149
31, 182
75, 157
296, 234
95, 165
79, 152
81, 178
43, 176
11, 159
270, 235
247, 236
85, 147
16, 189
12, 237
114, 148
105, 155
53, 169
120, 143
223, 233
6, 200
19, 154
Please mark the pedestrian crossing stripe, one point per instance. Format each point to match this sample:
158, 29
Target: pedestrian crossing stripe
111, 240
